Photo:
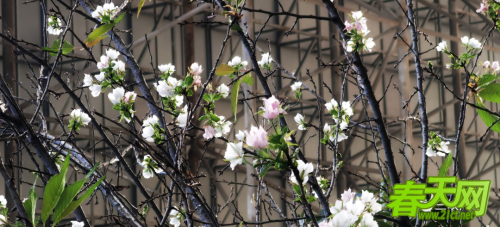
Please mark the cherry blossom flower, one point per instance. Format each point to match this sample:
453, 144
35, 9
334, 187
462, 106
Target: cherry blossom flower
486, 64
442, 46
79, 116
240, 135
235, 62
304, 170
472, 42
195, 69
148, 130
257, 137
182, 118
266, 59
440, 150
95, 90
112, 54
495, 66
77, 224
483, 8
168, 68
197, 81
344, 219
296, 86
129, 97
234, 154
369, 44
3, 201
116, 95
300, 120
209, 132
175, 217
104, 63
149, 165
223, 90
100, 77
119, 66
87, 80
54, 25
368, 221
272, 108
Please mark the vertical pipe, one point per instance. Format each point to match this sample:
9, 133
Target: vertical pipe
251, 191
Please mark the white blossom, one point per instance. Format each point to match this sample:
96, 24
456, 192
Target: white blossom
104, 63
168, 68
196, 69
179, 100
164, 89
472, 42
350, 46
98, 12
300, 120
54, 30
3, 106
175, 218
77, 224
235, 62
182, 118
79, 115
3, 201
369, 44
148, 130
87, 80
100, 77
333, 104
304, 170
119, 65
234, 154
266, 59
223, 90
346, 107
112, 54
240, 135
116, 95
367, 221
95, 90
344, 219
296, 86
222, 127
442, 46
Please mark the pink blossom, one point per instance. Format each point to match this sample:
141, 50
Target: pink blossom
495, 66
257, 137
483, 8
486, 64
349, 26
129, 97
196, 69
348, 195
209, 132
272, 108
197, 81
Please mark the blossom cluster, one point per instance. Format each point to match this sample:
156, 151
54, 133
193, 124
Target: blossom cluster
112, 72
272, 108
54, 25
152, 131
436, 146
123, 102
176, 217
341, 116
354, 211
297, 86
149, 165
357, 30
304, 170
483, 8
256, 138
78, 118
470, 44
265, 62
105, 12
237, 63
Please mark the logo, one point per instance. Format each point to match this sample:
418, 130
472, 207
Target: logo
469, 195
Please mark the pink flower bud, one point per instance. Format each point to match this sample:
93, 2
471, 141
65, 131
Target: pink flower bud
209, 132
257, 138
272, 108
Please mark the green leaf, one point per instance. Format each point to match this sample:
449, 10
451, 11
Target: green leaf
66, 48
296, 188
98, 32
488, 118
236, 27
189, 80
74, 204
214, 117
241, 224
486, 79
53, 191
223, 69
443, 170
247, 79
234, 97
117, 20
139, 7
265, 168
69, 193
491, 93
30, 203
